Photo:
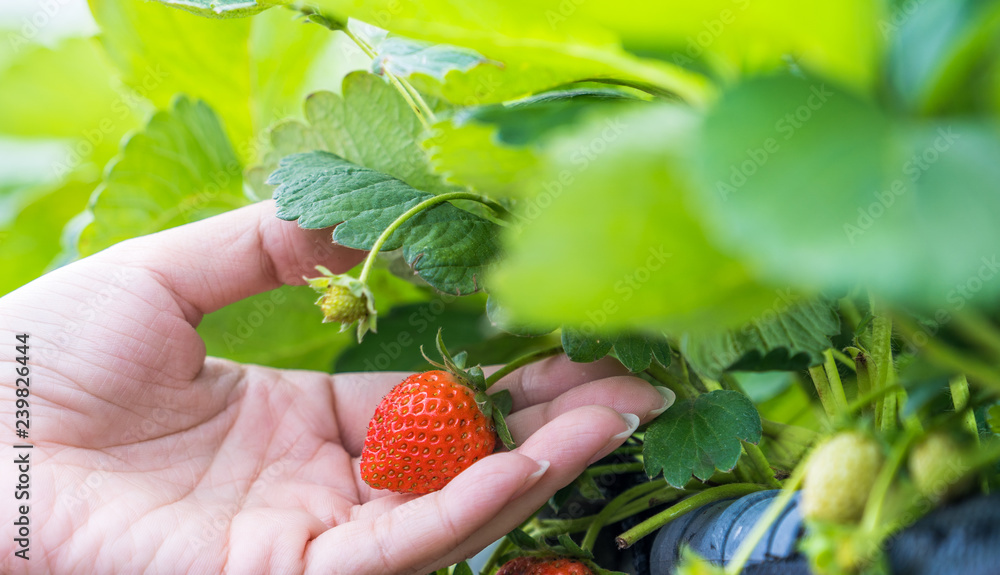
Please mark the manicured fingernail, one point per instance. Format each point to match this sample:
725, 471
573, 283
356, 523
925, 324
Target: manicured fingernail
532, 479
631, 422
668, 400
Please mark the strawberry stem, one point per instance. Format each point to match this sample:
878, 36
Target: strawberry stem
429, 202
654, 523
521, 362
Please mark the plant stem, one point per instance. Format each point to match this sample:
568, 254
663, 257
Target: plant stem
980, 372
432, 201
864, 378
775, 508
657, 521
658, 494
873, 509
603, 518
682, 389
615, 468
881, 355
979, 330
760, 465
833, 376
959, 387
409, 94
844, 359
711, 385
523, 361
863, 401
818, 375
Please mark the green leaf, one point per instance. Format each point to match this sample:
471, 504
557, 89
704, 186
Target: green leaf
503, 401
462, 569
634, 350
403, 57
252, 71
791, 340
523, 540
35, 100
494, 148
535, 54
617, 245
279, 329
224, 8
448, 247
370, 125
699, 435
179, 169
835, 193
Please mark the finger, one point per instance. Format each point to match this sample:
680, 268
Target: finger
569, 443
623, 394
358, 394
425, 529
209, 264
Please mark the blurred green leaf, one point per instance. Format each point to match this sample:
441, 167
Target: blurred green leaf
63, 92
163, 51
535, 54
179, 169
448, 247
32, 242
789, 340
816, 188
699, 435
616, 233
403, 57
224, 8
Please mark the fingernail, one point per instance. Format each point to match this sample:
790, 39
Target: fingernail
632, 422
532, 479
668, 400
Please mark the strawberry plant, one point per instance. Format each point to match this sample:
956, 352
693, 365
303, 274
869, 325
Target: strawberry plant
783, 216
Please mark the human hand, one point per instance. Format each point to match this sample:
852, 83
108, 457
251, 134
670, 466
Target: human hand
151, 457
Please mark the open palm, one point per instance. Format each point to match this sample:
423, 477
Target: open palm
151, 457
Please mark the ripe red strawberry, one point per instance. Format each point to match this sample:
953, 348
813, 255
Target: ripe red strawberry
427, 430
544, 566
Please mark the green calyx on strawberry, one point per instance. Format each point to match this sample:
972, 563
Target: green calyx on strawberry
839, 476
433, 426
535, 557
345, 300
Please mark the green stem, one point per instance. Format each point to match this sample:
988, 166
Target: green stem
794, 433
707, 496
844, 359
881, 356
959, 386
818, 375
521, 362
434, 200
873, 509
979, 330
864, 379
760, 465
603, 518
833, 376
980, 372
682, 389
711, 385
615, 469
775, 508
658, 496
864, 401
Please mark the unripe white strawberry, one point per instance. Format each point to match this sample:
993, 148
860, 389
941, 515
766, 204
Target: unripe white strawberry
938, 468
839, 476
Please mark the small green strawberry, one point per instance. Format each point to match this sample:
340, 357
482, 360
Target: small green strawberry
839, 475
345, 300
938, 467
